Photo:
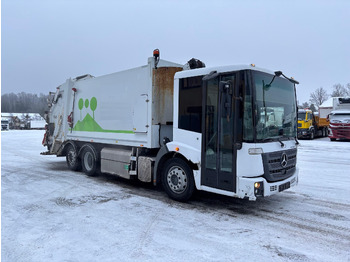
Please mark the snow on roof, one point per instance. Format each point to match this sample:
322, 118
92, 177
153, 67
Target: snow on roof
219, 69
327, 103
340, 112
304, 110
32, 116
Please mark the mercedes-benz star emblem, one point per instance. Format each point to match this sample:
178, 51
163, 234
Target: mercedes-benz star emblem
284, 160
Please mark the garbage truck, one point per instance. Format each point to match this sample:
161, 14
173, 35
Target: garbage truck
186, 128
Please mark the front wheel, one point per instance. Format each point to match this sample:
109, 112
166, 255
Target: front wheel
312, 135
177, 179
89, 161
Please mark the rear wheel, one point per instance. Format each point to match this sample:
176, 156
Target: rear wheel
89, 161
72, 158
177, 179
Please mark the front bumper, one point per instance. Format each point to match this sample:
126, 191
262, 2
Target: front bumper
339, 132
246, 187
302, 133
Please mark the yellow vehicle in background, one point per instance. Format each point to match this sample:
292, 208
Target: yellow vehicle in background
311, 125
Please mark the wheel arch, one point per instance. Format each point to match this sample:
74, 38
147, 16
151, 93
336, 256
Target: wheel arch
165, 155
63, 152
93, 149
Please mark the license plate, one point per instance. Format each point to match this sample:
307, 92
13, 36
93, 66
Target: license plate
284, 186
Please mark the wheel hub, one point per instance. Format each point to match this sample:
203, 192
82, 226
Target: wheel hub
88, 161
174, 180
177, 179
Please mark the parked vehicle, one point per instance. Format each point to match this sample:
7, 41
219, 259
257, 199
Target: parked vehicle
340, 119
5, 124
311, 125
229, 130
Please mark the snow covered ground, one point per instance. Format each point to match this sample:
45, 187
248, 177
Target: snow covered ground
52, 214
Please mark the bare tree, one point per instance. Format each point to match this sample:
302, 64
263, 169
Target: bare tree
338, 90
305, 105
319, 96
347, 89
313, 108
24, 103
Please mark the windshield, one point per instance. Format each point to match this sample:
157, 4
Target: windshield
301, 116
275, 107
340, 118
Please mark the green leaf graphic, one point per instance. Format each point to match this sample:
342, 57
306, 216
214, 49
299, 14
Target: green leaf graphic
93, 105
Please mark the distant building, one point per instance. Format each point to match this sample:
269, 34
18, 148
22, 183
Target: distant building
24, 120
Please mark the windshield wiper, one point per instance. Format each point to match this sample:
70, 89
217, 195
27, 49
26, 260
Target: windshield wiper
296, 141
279, 140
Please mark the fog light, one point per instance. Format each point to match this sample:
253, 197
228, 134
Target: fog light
258, 189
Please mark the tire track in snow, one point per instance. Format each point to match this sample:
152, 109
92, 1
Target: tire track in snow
321, 232
145, 235
240, 209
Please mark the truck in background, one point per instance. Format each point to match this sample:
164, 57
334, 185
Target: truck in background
5, 124
339, 119
230, 130
311, 125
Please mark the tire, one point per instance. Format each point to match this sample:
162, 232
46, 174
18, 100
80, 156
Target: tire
72, 158
177, 179
332, 139
312, 135
89, 161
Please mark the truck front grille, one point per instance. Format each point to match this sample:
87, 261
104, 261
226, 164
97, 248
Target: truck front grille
279, 165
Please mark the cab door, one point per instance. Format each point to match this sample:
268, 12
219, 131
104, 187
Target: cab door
218, 133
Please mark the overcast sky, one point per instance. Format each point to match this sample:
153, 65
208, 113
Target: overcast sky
46, 42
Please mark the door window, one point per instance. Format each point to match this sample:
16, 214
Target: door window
226, 131
211, 124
